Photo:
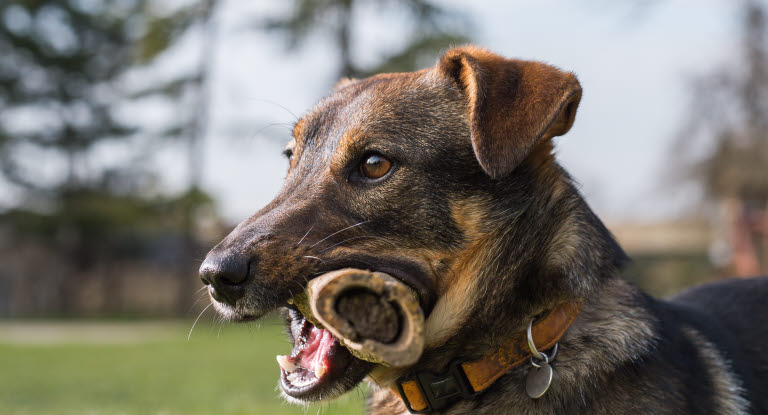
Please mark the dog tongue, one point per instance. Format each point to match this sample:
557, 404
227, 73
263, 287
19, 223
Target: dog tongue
311, 353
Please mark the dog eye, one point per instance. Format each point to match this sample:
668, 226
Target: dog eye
288, 153
375, 166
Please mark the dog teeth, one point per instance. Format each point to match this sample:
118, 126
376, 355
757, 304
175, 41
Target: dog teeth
298, 380
320, 370
286, 364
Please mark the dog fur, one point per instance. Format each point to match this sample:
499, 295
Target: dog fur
478, 217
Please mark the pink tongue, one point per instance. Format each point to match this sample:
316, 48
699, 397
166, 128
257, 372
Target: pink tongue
314, 355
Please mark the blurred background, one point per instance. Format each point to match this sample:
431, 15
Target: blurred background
134, 134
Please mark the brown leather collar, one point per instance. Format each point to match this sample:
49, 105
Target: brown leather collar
425, 392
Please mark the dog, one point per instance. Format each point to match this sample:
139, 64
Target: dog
445, 178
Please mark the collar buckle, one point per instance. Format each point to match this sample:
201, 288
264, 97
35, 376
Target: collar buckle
439, 390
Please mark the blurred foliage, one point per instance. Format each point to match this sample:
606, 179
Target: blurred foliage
162, 31
432, 28
98, 216
729, 111
63, 61
64, 71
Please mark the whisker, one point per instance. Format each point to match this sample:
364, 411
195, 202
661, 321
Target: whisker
196, 320
303, 288
274, 124
277, 105
199, 297
314, 257
338, 232
361, 237
305, 235
216, 320
218, 335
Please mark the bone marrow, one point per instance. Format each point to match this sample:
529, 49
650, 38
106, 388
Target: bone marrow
370, 315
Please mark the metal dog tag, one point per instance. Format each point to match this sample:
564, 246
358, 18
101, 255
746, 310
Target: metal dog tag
538, 380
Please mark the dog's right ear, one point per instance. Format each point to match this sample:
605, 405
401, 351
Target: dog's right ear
511, 104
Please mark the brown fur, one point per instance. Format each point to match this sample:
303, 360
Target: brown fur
478, 217
511, 104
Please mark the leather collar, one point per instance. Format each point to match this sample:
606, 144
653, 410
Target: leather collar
425, 392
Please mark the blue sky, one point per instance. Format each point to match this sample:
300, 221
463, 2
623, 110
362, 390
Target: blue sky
632, 58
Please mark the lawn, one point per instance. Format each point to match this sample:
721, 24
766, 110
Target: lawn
147, 368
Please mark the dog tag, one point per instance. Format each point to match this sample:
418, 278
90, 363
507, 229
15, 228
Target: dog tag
538, 380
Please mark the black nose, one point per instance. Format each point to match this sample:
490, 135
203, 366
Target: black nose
225, 275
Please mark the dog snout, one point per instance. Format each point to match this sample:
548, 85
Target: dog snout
225, 275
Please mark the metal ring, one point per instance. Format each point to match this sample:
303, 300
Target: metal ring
545, 360
554, 352
532, 346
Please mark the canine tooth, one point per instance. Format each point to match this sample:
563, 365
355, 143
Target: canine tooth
320, 371
285, 363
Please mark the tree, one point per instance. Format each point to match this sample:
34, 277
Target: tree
62, 82
432, 28
729, 112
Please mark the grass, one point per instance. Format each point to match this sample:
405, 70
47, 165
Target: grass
155, 371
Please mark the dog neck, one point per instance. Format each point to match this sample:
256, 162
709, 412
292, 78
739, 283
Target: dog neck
427, 391
587, 353
542, 246
553, 250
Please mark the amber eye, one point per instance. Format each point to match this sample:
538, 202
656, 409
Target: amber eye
375, 166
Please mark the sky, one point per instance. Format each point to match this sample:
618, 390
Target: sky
633, 59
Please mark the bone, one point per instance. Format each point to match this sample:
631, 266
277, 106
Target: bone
377, 317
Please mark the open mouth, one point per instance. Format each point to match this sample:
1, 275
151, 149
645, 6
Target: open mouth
318, 367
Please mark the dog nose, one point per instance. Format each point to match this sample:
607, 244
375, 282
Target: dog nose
225, 275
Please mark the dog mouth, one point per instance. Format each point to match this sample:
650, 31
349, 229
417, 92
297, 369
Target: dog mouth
319, 366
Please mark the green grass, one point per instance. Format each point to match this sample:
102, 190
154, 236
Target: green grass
231, 372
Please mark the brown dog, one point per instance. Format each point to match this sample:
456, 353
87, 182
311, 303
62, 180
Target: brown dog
445, 179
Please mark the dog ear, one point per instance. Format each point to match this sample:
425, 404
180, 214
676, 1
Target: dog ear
511, 104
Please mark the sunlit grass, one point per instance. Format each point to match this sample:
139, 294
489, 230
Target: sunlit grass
231, 371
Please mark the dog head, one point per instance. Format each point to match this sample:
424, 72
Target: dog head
425, 176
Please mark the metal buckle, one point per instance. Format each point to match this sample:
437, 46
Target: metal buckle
439, 390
